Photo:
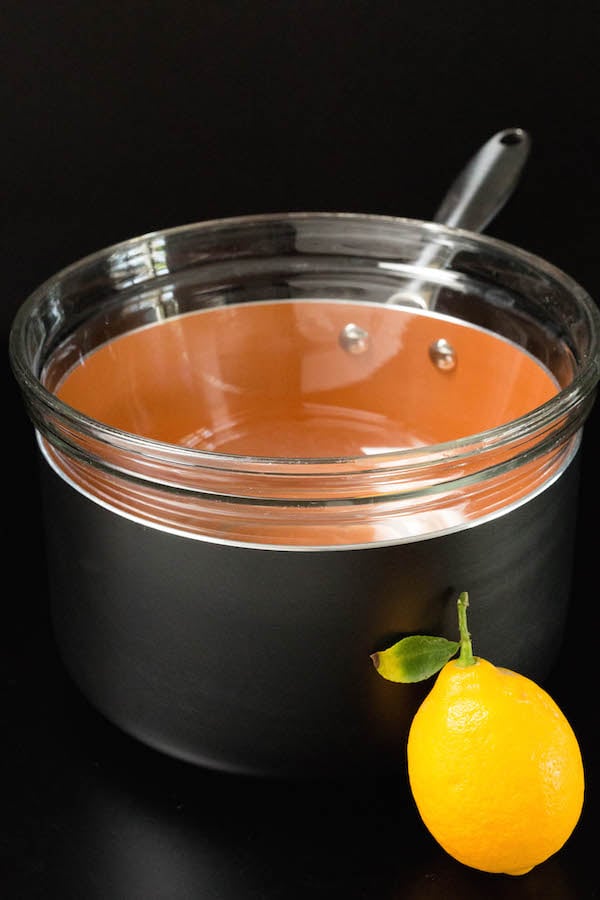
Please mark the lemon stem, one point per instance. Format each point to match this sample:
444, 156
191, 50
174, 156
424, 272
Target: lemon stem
465, 657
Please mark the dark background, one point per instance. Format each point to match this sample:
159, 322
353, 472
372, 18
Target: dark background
118, 119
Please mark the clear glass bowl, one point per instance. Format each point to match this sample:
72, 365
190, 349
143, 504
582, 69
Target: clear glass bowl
319, 270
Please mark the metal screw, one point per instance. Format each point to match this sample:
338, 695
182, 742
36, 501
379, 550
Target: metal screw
353, 338
443, 355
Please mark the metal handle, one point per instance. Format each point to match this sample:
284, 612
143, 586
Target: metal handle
486, 182
473, 199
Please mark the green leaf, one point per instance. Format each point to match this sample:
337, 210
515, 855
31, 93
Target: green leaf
414, 658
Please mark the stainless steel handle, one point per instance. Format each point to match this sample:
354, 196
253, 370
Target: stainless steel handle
486, 182
473, 199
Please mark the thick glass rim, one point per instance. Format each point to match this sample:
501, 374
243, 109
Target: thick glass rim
563, 405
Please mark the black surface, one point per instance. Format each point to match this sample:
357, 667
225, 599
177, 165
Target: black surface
118, 119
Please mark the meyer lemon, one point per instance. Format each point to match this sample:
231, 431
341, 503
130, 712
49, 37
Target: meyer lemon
494, 766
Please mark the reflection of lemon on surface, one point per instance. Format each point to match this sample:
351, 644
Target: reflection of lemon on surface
494, 766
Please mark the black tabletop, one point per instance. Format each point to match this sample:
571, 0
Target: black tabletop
119, 120
88, 812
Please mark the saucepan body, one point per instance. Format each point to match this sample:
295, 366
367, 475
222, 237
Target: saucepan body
272, 445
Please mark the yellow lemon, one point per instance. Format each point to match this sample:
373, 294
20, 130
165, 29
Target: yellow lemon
494, 766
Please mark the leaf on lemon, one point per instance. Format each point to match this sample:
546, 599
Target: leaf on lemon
414, 658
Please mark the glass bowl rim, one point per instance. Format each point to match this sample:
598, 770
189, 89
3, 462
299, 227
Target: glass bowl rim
562, 404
